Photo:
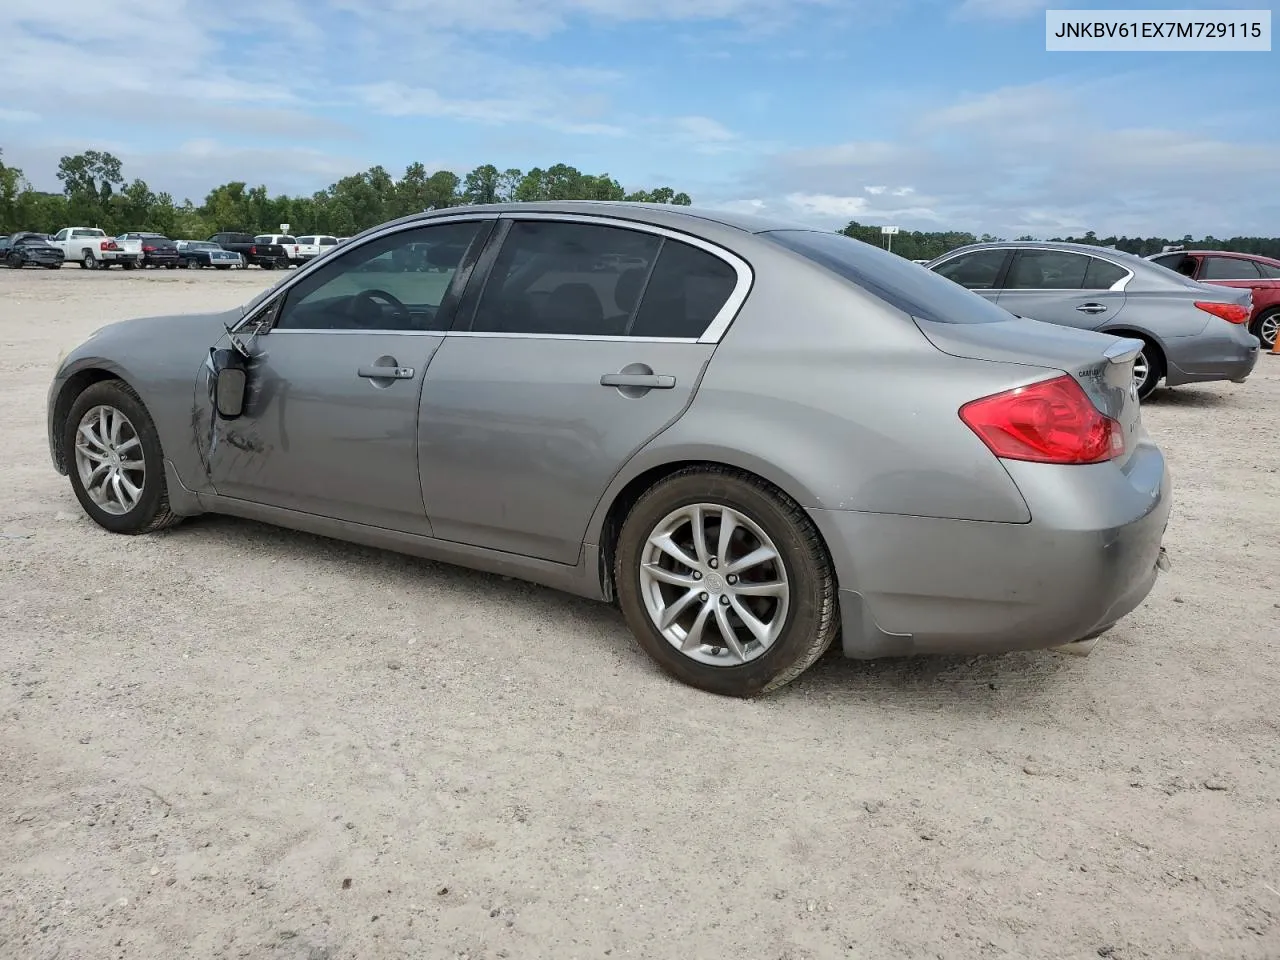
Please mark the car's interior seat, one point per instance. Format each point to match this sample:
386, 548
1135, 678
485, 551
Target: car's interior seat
573, 308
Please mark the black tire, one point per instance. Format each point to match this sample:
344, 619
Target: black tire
87, 260
53, 266
14, 262
811, 621
267, 265
1155, 369
1264, 327
151, 512
171, 266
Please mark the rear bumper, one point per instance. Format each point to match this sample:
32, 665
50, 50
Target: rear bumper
1224, 351
915, 585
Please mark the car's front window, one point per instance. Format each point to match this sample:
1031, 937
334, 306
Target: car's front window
396, 282
1228, 268
979, 270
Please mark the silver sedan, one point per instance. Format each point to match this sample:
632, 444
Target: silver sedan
1191, 332
757, 439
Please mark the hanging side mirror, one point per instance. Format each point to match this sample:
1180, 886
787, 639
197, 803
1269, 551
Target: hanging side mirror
228, 377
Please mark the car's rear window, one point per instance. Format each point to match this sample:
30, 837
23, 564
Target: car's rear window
899, 282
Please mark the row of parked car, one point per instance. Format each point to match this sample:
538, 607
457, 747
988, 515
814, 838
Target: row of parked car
94, 249
1202, 314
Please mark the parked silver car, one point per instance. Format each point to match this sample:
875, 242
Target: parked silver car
1191, 332
754, 437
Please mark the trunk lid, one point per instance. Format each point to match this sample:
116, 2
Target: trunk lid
1102, 364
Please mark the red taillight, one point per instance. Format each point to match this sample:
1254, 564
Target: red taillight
1053, 421
108, 245
253, 251
148, 249
1230, 312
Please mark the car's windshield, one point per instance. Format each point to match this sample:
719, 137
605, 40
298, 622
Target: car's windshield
899, 282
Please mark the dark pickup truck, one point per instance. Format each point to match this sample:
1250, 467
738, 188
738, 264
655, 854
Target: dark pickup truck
266, 255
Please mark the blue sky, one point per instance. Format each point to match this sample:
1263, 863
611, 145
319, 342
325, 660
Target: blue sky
923, 113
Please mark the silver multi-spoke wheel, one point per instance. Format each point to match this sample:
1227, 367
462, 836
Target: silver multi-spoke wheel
714, 584
1141, 370
109, 461
1267, 330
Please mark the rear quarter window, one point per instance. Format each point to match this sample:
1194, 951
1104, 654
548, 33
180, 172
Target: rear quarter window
897, 281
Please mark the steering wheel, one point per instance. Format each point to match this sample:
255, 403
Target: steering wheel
371, 297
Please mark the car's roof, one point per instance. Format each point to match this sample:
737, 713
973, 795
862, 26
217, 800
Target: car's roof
1225, 253
658, 214
1091, 249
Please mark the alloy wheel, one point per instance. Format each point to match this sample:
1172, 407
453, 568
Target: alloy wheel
108, 455
714, 584
1141, 371
1268, 328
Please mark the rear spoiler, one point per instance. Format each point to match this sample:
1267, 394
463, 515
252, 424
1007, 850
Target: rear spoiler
1123, 350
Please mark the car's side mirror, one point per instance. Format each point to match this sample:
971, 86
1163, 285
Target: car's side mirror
227, 380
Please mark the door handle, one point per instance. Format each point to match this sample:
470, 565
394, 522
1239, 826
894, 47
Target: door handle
385, 373
652, 381
1092, 308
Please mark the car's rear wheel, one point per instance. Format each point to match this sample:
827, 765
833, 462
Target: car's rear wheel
87, 260
115, 461
1266, 327
725, 582
1148, 368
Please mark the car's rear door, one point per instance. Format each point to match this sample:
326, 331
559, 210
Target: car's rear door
566, 358
1064, 287
330, 426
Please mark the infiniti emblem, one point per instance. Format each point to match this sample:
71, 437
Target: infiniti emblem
714, 583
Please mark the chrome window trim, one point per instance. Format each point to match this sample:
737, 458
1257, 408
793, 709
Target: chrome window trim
262, 302
715, 329
347, 333
1119, 285
603, 338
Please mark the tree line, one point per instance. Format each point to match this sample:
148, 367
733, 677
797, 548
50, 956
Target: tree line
918, 245
95, 193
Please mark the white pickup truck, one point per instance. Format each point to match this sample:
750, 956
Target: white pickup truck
92, 248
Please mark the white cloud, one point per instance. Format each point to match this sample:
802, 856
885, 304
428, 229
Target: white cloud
1040, 159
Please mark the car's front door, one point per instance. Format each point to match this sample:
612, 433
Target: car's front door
330, 426
1059, 286
587, 340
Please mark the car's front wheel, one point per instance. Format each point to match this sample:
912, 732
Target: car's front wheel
1266, 327
115, 461
725, 582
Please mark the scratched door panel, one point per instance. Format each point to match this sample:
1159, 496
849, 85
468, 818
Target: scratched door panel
319, 437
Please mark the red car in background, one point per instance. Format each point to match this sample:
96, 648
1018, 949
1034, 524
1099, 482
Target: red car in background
1221, 268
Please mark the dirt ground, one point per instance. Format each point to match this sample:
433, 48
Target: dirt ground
230, 740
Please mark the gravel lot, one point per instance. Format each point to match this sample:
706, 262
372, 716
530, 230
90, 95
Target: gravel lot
230, 740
